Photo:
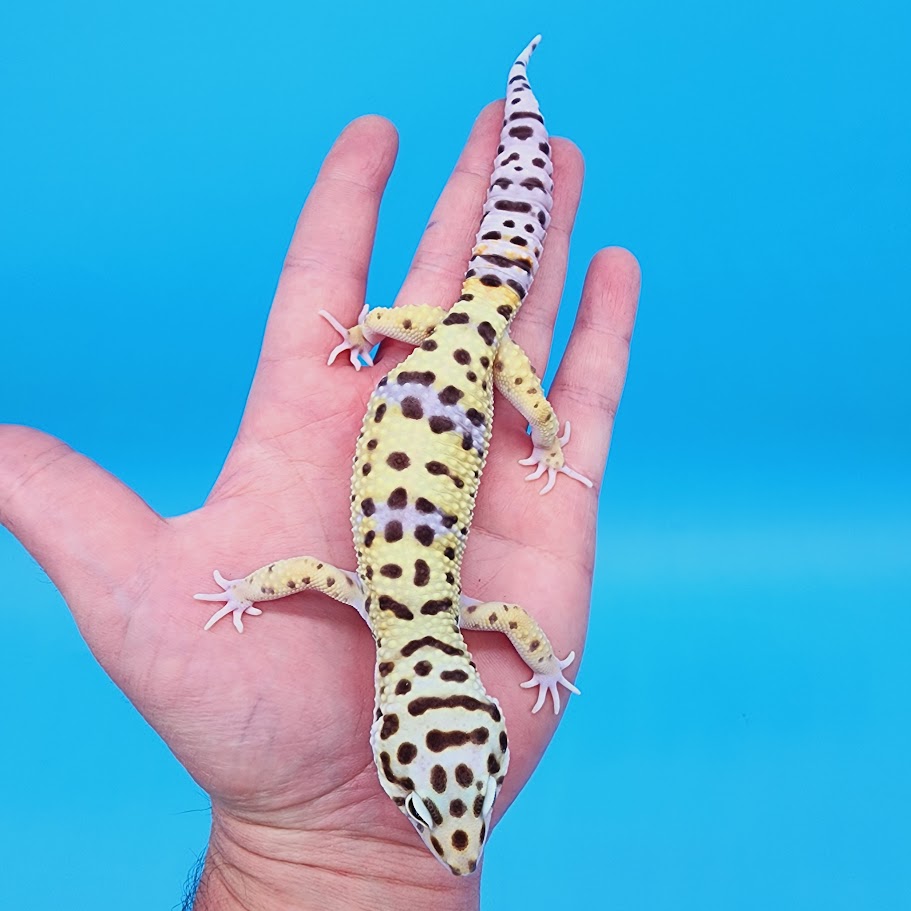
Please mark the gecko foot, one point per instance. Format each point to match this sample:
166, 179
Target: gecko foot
357, 341
551, 460
236, 605
547, 683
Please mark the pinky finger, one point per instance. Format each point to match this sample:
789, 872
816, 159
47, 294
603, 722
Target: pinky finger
590, 380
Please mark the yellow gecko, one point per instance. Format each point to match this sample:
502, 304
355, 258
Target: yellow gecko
439, 739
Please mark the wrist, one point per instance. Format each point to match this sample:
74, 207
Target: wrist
253, 867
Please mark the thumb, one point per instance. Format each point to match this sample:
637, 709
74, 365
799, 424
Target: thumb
79, 522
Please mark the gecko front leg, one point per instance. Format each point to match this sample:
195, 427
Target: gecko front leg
280, 579
528, 639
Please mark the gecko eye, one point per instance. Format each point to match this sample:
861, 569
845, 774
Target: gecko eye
489, 797
417, 811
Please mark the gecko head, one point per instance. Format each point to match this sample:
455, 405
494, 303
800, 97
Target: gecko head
445, 779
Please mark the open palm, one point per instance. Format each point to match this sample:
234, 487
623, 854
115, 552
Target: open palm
274, 724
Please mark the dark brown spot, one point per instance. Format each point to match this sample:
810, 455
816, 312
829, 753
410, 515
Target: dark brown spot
533, 183
539, 162
526, 115
509, 205
429, 345
372, 444
425, 535
533, 647
398, 499
431, 608
411, 408
461, 356
457, 808
395, 607
430, 642
471, 376
390, 726
422, 504
434, 811
436, 468
455, 318
380, 411
466, 297
478, 805
406, 753
505, 311
368, 538
437, 741
449, 553
504, 742
450, 395
513, 624
423, 668
403, 687
438, 780
368, 507
406, 324
436, 845
464, 775
485, 362
391, 570
292, 583
502, 183
459, 840
398, 460
421, 377
491, 235
454, 676
440, 424
385, 667
487, 332
519, 241
367, 468
544, 147
492, 618
475, 416
521, 133
459, 700
330, 581
492, 281
393, 531
483, 833
421, 572
493, 764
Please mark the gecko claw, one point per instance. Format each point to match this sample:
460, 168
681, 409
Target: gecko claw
553, 462
235, 605
357, 341
548, 683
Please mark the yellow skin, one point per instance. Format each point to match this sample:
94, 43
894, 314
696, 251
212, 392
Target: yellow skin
296, 778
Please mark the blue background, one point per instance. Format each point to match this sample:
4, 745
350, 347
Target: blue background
743, 741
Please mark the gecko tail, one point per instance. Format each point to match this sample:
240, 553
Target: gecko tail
519, 201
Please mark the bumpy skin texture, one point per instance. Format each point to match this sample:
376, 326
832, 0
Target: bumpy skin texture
439, 739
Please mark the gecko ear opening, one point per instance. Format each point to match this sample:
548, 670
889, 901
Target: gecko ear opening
417, 811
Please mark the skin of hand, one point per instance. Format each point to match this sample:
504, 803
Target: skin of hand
274, 724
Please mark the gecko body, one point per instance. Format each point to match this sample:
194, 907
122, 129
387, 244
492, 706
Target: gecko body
439, 739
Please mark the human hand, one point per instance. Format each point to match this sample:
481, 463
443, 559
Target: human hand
274, 725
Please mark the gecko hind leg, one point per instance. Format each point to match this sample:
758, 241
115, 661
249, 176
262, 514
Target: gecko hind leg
528, 639
517, 381
278, 580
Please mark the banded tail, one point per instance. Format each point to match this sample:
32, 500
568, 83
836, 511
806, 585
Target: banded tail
519, 201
